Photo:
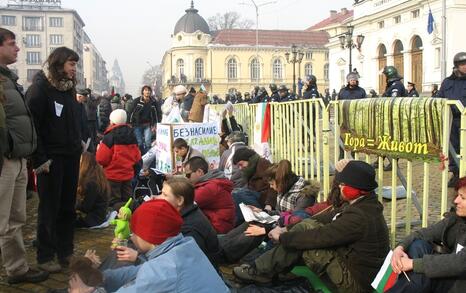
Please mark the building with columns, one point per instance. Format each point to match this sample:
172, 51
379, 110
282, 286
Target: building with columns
396, 34
95, 68
229, 60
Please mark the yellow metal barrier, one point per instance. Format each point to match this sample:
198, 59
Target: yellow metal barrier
304, 132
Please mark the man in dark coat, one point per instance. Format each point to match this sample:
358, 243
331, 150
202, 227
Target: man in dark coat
454, 88
412, 92
274, 96
395, 87
349, 246
352, 91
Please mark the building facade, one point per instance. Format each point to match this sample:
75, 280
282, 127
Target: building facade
396, 34
40, 27
95, 69
230, 61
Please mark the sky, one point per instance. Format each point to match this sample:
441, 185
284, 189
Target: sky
138, 32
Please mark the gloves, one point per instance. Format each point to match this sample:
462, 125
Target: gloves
44, 168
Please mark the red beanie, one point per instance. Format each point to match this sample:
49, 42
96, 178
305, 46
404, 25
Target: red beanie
155, 221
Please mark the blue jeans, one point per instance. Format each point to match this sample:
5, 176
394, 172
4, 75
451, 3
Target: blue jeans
420, 282
144, 137
246, 196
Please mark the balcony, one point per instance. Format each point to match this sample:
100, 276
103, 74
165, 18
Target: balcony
197, 81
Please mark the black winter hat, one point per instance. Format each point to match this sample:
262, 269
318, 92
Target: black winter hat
243, 155
358, 174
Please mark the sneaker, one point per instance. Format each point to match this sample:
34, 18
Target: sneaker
248, 273
50, 266
31, 276
453, 181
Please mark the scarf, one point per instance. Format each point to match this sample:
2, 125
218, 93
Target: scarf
62, 85
249, 171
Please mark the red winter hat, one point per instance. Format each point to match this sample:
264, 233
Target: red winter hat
155, 221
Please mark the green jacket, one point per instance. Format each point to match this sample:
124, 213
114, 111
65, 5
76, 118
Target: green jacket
3, 143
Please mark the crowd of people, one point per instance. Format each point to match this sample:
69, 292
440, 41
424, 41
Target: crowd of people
86, 153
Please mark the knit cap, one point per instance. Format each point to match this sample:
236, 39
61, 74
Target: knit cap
155, 221
118, 116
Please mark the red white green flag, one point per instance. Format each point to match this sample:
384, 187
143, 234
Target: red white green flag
385, 278
262, 131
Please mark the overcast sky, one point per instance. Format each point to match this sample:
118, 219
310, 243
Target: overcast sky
137, 32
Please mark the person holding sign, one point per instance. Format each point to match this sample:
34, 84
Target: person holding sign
434, 257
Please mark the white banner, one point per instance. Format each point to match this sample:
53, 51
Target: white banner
164, 152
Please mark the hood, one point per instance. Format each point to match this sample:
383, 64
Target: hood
40, 79
166, 246
188, 210
115, 126
212, 174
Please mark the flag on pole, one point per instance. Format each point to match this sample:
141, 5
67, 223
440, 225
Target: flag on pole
113, 91
385, 278
262, 131
430, 22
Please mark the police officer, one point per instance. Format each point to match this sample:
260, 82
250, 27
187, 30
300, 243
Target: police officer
395, 87
412, 92
454, 88
311, 87
274, 96
239, 97
285, 95
352, 91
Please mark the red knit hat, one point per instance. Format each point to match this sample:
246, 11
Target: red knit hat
155, 221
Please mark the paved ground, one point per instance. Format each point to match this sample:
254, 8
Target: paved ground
100, 239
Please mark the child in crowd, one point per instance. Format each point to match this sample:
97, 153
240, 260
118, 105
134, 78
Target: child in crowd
93, 193
118, 153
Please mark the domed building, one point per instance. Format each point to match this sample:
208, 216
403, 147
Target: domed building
229, 61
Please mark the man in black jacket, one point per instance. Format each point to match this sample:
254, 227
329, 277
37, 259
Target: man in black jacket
352, 91
349, 246
13, 179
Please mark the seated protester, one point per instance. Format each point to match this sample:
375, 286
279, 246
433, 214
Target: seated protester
433, 257
118, 153
184, 151
349, 247
174, 263
293, 193
212, 193
235, 141
92, 194
258, 192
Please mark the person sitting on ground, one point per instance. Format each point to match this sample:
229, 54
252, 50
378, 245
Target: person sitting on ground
174, 263
212, 194
93, 193
293, 194
235, 141
258, 192
118, 153
349, 247
434, 257
184, 151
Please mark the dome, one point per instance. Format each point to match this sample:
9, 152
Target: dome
191, 22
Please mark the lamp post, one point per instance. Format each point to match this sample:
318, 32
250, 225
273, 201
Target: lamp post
296, 57
346, 41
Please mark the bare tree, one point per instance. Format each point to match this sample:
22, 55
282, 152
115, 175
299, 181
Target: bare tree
152, 76
228, 20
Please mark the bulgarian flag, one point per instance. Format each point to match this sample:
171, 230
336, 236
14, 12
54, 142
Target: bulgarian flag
385, 278
262, 131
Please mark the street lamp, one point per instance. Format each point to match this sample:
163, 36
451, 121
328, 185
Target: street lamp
296, 57
346, 41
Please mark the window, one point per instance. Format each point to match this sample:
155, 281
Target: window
31, 73
56, 39
326, 71
415, 13
277, 69
33, 58
32, 41
199, 69
381, 24
8, 20
56, 22
397, 19
180, 66
308, 69
32, 23
232, 66
308, 55
255, 69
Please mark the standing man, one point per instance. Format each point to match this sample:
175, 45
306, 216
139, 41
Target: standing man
412, 92
274, 96
352, 91
13, 175
454, 88
144, 116
187, 104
